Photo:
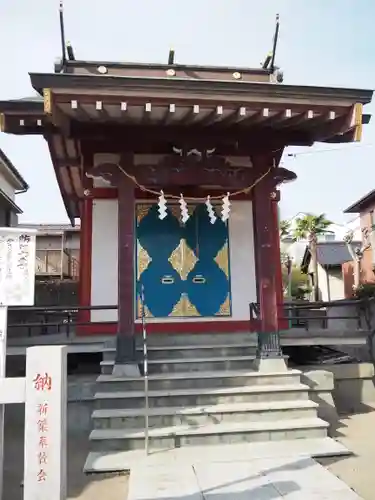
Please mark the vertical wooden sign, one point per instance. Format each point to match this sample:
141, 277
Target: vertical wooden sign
45, 423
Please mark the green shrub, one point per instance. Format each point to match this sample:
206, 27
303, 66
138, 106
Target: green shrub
364, 290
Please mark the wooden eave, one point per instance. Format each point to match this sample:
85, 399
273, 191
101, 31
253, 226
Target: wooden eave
322, 114
12, 173
68, 172
269, 91
23, 117
5, 200
362, 204
28, 106
318, 113
91, 106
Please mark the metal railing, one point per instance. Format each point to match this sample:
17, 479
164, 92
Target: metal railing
50, 320
145, 368
319, 315
73, 268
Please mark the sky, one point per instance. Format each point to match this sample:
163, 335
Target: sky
326, 43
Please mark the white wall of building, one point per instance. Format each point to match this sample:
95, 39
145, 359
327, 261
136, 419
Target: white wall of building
331, 283
104, 258
7, 216
323, 281
105, 261
336, 284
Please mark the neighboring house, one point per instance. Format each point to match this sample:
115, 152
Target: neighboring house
296, 249
365, 207
57, 251
331, 257
11, 183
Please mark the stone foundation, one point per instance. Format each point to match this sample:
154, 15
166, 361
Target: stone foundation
340, 389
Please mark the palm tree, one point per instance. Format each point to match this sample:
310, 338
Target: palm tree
310, 227
284, 228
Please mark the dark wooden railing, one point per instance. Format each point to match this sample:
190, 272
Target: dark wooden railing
32, 321
319, 315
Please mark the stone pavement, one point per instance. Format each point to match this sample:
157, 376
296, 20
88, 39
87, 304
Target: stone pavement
298, 478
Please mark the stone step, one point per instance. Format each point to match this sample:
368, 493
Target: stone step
223, 433
200, 415
117, 461
205, 396
190, 351
199, 380
191, 364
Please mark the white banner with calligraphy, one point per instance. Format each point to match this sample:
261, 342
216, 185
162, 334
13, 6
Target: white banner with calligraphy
17, 266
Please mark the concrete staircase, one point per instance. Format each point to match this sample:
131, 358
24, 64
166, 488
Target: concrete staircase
203, 390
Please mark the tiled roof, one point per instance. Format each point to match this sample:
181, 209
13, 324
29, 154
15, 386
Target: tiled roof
329, 253
333, 253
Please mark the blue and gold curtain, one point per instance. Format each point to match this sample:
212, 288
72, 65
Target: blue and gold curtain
184, 268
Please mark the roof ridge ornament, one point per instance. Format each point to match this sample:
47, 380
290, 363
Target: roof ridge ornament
67, 52
276, 74
62, 36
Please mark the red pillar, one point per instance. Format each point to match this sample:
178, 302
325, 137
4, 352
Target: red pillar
264, 200
126, 352
85, 263
283, 323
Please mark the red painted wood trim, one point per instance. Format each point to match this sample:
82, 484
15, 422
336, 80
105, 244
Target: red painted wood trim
126, 249
264, 227
255, 239
112, 193
111, 328
103, 193
183, 327
283, 323
85, 259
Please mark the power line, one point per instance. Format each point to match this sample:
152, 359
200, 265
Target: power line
330, 150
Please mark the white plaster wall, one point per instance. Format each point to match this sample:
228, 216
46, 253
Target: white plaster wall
323, 283
104, 261
104, 258
331, 284
336, 284
242, 259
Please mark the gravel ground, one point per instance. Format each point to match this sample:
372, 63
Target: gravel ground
356, 432
80, 486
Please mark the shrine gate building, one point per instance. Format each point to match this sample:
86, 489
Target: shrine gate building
121, 136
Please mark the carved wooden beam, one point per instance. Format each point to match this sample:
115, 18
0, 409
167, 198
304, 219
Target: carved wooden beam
178, 171
174, 170
116, 138
277, 175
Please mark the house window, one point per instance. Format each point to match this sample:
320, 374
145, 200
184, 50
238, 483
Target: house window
330, 237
